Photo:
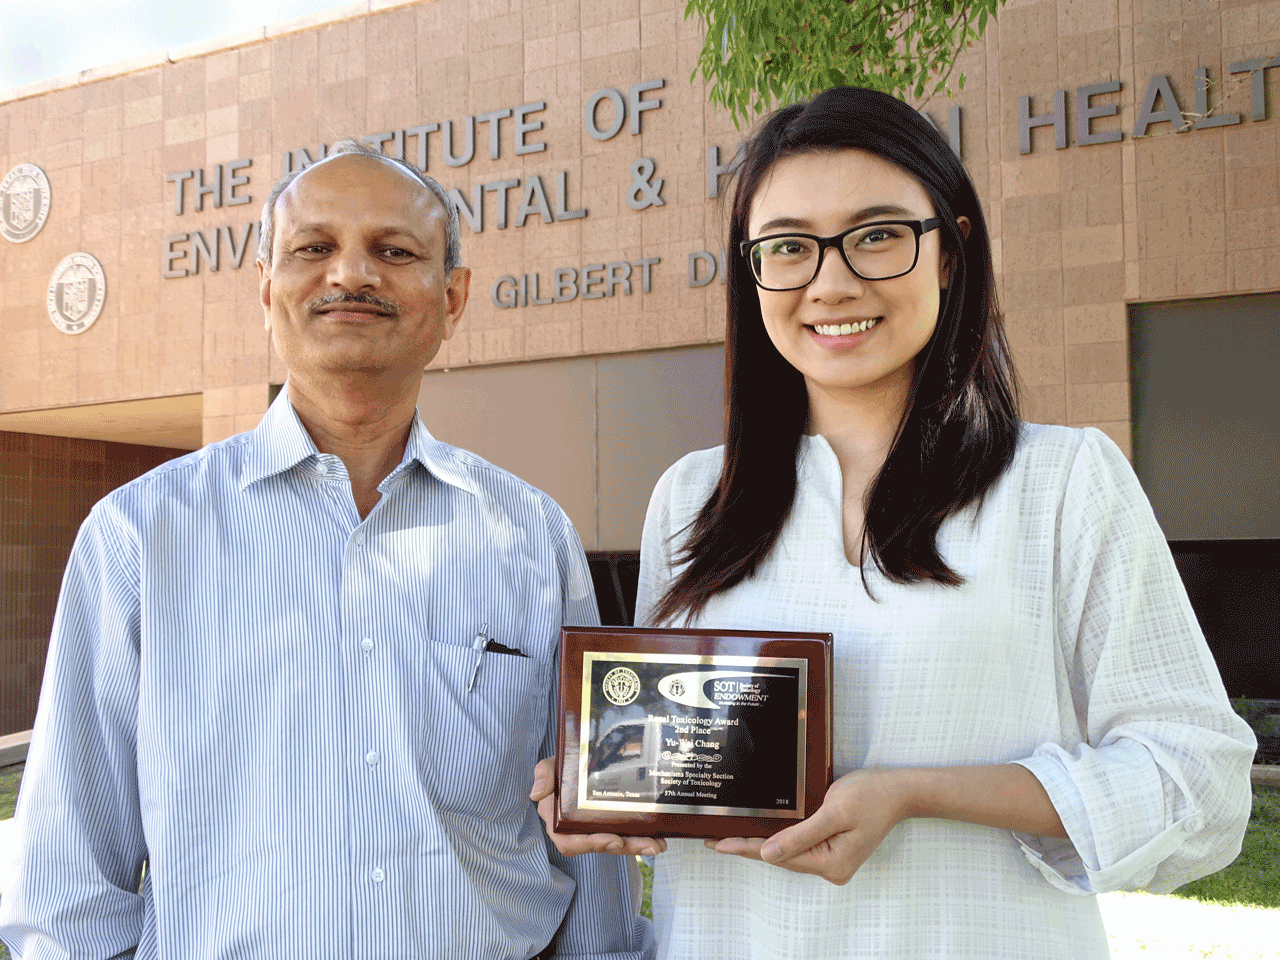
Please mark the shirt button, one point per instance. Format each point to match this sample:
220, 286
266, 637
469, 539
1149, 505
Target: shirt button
359, 539
377, 875
366, 644
371, 757
322, 468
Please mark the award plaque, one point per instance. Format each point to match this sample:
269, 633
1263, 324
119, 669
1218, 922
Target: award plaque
691, 733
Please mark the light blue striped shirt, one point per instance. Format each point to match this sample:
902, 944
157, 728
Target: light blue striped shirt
265, 699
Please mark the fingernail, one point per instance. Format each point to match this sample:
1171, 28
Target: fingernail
538, 786
650, 851
614, 846
769, 851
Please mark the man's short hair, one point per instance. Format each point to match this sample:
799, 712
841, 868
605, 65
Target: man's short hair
452, 230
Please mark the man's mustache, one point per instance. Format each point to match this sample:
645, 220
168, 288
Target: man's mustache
329, 299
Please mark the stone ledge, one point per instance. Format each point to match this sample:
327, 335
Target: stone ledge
13, 748
202, 48
1266, 774
321, 18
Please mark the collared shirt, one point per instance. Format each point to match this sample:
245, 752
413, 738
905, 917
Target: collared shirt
265, 699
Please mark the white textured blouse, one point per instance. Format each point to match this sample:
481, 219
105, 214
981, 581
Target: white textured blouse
1070, 648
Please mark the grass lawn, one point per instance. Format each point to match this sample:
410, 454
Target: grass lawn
10, 777
1254, 878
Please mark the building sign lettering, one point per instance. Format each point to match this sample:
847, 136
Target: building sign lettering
551, 197
1159, 104
595, 281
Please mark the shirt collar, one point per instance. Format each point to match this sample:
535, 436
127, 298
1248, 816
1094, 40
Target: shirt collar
440, 459
280, 442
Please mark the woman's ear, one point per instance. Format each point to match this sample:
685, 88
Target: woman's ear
963, 225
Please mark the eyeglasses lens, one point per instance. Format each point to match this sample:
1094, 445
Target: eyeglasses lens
875, 252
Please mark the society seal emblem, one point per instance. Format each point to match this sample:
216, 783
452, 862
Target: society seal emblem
24, 202
76, 291
621, 685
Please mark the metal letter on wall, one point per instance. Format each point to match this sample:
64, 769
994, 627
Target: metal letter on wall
1057, 120
24, 202
76, 292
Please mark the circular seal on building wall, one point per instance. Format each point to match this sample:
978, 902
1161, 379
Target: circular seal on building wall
76, 291
621, 685
24, 202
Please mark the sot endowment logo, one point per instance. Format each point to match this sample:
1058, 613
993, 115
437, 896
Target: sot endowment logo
24, 202
76, 291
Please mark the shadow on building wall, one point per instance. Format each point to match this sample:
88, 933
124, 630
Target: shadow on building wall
47, 487
616, 575
1234, 588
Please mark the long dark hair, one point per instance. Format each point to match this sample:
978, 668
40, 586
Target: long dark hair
960, 427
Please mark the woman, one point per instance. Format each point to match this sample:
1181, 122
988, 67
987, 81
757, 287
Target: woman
1025, 711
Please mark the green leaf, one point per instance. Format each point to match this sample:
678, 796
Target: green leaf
759, 53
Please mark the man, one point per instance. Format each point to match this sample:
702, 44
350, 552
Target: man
298, 680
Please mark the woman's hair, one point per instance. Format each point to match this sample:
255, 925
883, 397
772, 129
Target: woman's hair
960, 426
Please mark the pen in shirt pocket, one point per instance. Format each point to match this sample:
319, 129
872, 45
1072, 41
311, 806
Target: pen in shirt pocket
482, 645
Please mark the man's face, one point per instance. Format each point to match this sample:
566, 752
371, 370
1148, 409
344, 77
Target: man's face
356, 282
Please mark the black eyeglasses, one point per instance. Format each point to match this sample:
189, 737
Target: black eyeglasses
873, 251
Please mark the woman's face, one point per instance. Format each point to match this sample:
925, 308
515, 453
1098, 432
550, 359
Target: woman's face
845, 334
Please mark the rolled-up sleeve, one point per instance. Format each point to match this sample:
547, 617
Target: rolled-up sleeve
603, 921
1158, 792
72, 890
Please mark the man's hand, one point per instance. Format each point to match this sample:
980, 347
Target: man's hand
857, 813
572, 844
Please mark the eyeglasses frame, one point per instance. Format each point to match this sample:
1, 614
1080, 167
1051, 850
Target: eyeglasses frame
918, 227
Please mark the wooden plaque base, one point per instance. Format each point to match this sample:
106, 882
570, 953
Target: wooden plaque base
691, 733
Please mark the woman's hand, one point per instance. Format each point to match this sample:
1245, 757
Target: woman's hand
572, 844
862, 807
857, 813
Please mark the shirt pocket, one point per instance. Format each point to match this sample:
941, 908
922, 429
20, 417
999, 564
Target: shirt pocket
479, 746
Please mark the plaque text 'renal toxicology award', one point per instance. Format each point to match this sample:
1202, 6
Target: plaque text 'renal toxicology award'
691, 733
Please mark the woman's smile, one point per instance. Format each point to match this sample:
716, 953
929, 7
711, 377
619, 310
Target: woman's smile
841, 332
